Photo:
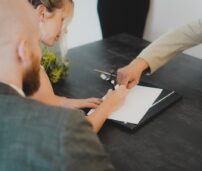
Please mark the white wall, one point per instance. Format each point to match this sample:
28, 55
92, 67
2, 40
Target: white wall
85, 26
163, 15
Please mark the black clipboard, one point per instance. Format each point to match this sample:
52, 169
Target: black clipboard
164, 100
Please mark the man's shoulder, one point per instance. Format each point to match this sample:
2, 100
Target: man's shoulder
19, 107
64, 135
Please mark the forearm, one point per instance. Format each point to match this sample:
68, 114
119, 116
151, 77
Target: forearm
171, 44
139, 64
45, 93
99, 116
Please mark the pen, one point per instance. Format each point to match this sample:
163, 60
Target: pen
104, 72
163, 98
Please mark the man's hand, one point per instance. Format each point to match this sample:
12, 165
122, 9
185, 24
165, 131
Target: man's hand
130, 74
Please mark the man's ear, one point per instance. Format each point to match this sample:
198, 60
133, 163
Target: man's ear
23, 52
43, 13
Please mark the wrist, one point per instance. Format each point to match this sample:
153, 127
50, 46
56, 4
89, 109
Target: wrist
140, 63
61, 101
105, 108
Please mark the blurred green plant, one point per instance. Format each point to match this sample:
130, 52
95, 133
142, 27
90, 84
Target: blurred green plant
55, 66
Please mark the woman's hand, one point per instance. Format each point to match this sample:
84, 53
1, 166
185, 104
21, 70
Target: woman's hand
112, 101
80, 103
115, 98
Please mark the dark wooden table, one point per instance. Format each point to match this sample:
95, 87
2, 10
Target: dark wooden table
170, 142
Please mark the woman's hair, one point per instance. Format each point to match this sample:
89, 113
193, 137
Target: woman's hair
51, 5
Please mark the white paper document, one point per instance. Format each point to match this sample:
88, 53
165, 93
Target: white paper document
137, 103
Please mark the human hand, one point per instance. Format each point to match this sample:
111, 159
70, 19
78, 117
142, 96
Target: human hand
130, 74
115, 98
80, 103
111, 102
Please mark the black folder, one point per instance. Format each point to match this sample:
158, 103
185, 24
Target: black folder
164, 100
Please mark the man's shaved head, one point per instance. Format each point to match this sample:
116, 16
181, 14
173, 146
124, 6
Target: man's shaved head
17, 19
19, 45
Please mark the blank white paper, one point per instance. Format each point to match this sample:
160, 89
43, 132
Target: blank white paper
137, 103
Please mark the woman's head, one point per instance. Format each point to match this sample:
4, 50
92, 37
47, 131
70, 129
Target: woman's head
54, 16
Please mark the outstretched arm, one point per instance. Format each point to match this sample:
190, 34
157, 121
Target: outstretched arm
160, 52
113, 100
171, 44
45, 94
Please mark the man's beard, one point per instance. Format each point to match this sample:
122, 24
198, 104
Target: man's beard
31, 79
